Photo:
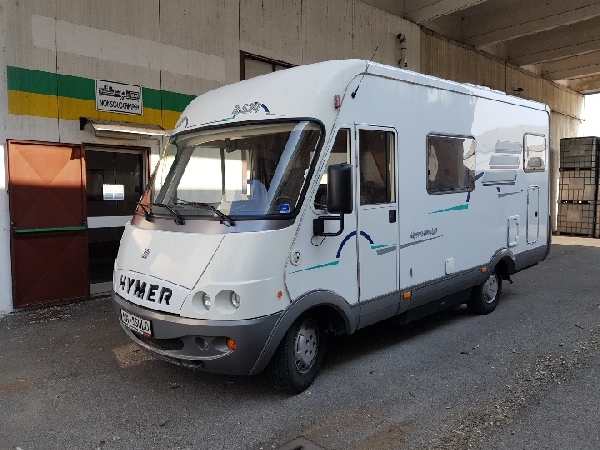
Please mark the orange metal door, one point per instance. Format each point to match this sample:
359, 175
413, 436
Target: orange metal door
47, 210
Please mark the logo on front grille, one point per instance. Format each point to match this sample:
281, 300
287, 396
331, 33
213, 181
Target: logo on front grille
146, 253
145, 291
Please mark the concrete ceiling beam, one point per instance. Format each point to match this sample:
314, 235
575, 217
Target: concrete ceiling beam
496, 21
535, 26
585, 85
571, 67
557, 43
420, 11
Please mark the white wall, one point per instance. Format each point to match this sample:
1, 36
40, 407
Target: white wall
5, 274
591, 115
308, 31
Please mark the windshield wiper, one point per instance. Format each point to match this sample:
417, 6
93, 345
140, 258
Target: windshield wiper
222, 215
179, 220
147, 214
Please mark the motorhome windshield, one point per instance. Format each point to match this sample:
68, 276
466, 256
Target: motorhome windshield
243, 171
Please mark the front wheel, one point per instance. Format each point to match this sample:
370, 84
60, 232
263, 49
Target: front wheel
298, 358
485, 297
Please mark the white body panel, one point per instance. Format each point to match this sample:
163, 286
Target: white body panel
179, 258
149, 292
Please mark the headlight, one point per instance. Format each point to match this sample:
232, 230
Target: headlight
201, 302
234, 299
227, 302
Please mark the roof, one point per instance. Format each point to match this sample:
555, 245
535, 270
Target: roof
300, 92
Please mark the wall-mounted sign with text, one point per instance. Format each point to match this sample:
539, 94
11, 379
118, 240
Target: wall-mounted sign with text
119, 97
113, 192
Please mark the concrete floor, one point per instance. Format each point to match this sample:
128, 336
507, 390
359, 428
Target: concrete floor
526, 376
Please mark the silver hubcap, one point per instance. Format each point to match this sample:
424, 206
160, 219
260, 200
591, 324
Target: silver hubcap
490, 289
307, 343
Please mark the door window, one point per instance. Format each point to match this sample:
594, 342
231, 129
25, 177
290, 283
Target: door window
340, 153
377, 167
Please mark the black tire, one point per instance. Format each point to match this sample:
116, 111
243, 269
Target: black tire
485, 297
298, 358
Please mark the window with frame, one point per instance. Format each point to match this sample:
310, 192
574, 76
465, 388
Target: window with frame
534, 152
340, 153
377, 167
450, 164
253, 65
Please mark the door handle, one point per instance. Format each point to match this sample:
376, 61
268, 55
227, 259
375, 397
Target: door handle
392, 216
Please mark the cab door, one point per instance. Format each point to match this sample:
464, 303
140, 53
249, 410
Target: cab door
377, 222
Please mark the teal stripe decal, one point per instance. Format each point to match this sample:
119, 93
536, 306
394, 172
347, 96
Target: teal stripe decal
375, 247
454, 208
332, 263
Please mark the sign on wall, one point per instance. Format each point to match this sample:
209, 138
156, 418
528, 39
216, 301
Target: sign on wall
113, 192
119, 97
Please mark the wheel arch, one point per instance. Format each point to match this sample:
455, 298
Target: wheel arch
326, 305
504, 263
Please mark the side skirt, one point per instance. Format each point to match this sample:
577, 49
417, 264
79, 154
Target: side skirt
436, 295
436, 306
531, 257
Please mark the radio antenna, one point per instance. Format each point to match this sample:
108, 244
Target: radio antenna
366, 68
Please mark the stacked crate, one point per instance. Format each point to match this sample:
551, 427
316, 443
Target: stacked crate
578, 187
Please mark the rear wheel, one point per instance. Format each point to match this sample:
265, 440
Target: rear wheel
298, 358
485, 297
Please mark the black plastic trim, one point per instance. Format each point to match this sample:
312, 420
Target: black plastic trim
379, 308
250, 336
531, 257
296, 309
212, 226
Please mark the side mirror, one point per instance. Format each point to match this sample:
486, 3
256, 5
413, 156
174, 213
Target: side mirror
339, 189
339, 198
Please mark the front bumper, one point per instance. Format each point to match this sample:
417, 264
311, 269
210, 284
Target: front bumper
200, 344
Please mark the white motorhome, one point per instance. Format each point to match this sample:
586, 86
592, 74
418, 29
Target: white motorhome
325, 198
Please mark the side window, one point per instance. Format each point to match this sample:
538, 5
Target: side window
254, 65
534, 148
377, 167
340, 153
450, 164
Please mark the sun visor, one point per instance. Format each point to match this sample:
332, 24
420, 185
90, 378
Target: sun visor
122, 130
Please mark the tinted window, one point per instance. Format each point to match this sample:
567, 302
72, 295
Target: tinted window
535, 153
450, 164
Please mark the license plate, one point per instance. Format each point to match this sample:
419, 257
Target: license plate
135, 323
